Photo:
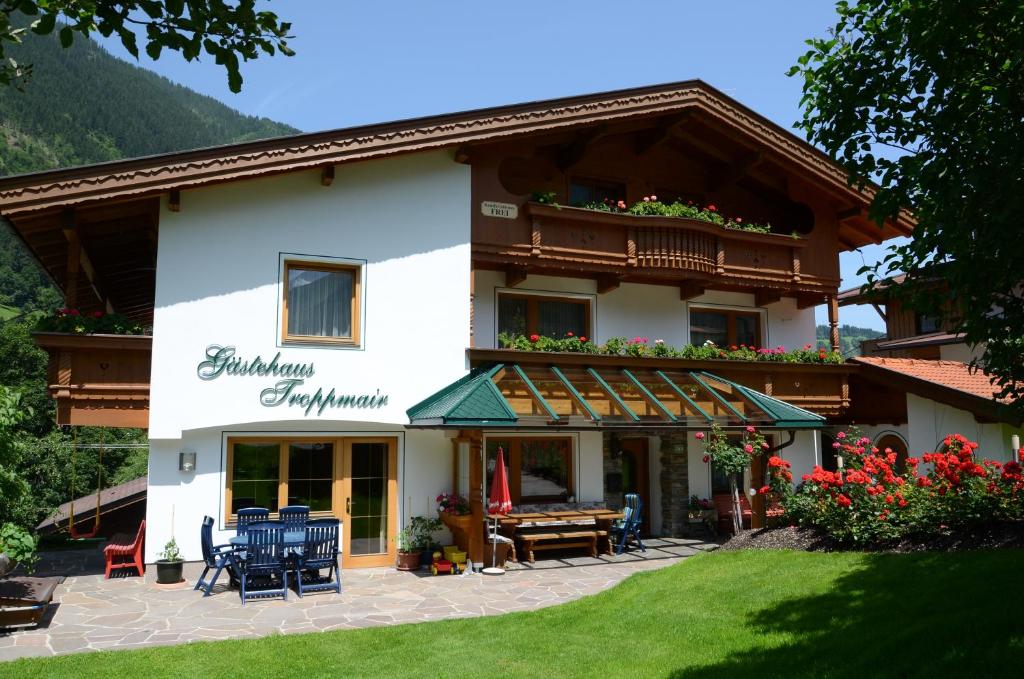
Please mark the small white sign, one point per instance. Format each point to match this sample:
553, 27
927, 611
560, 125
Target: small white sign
491, 208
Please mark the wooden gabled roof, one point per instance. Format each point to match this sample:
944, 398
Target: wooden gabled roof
154, 175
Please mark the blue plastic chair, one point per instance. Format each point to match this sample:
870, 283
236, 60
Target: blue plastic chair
264, 559
629, 526
250, 515
217, 558
320, 551
294, 517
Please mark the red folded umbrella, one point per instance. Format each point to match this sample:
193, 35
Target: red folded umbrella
500, 501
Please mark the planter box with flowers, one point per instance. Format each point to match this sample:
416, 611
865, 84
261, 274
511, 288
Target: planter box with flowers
454, 512
99, 368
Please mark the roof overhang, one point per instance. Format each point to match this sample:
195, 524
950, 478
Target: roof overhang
155, 175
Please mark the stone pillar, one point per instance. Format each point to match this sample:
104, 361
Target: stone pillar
675, 484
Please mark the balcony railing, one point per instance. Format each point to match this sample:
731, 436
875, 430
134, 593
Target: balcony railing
659, 249
99, 380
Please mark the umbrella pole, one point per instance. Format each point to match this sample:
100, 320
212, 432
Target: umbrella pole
494, 570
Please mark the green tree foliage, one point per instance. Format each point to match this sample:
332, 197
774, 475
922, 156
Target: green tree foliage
926, 98
850, 337
227, 31
12, 485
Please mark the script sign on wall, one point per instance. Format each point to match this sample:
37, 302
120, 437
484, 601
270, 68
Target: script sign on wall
223, 361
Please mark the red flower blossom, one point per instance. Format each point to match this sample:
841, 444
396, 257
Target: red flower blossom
534, 338
843, 501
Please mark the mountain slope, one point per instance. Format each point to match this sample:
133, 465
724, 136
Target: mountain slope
850, 337
85, 106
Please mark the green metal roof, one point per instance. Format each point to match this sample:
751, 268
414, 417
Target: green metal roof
605, 397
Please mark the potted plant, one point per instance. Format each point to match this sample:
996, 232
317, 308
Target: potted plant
423, 529
700, 509
17, 546
408, 554
170, 564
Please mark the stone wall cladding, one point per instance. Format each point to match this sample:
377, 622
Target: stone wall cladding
675, 484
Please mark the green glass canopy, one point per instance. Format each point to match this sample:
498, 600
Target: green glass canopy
572, 397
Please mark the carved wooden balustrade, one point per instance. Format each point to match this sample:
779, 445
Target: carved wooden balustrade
648, 249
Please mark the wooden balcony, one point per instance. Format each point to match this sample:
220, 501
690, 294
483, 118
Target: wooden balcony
820, 388
616, 247
99, 380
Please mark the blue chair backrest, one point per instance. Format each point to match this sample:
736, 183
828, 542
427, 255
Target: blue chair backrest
266, 545
294, 517
634, 506
321, 539
251, 515
206, 540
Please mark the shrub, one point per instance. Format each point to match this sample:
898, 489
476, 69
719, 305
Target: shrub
870, 501
97, 322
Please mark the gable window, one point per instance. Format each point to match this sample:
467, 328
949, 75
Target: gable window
542, 315
725, 328
321, 303
584, 191
927, 324
538, 469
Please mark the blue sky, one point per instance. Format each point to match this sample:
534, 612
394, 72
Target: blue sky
370, 62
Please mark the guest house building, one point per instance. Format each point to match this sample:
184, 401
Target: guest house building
328, 309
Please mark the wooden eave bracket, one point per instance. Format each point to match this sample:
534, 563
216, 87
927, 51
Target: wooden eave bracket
690, 289
514, 275
607, 283
174, 201
327, 175
766, 296
806, 301
739, 168
573, 152
650, 139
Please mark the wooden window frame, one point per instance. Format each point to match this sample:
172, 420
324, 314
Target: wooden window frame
514, 460
731, 315
356, 304
533, 313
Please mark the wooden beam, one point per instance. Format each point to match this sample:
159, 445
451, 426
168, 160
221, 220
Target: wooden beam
174, 203
607, 284
327, 176
766, 296
690, 289
476, 497
878, 310
514, 275
573, 152
849, 213
874, 234
70, 228
650, 139
739, 168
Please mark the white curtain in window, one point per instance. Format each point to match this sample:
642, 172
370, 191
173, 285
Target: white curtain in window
320, 303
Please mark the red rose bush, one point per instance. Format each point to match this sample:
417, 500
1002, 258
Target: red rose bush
872, 499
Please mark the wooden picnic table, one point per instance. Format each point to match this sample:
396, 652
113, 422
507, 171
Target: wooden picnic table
598, 515
575, 534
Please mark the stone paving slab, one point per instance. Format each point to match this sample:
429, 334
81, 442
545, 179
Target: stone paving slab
91, 613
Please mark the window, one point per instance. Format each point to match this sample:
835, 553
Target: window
927, 324
538, 469
272, 474
540, 315
725, 328
321, 303
584, 191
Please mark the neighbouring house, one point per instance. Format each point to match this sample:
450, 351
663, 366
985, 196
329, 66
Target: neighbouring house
916, 385
121, 509
328, 309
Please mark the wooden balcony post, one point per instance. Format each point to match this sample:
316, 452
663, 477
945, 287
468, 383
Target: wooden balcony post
70, 228
476, 498
833, 321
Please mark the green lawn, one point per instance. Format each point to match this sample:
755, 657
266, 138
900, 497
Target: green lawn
730, 614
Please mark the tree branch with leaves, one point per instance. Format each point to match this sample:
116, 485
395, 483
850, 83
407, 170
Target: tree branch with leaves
925, 99
229, 32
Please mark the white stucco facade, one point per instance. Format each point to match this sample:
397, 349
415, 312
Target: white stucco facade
405, 221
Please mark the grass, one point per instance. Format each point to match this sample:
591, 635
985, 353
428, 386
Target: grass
730, 614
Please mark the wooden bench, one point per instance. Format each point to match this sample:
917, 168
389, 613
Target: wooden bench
560, 539
23, 601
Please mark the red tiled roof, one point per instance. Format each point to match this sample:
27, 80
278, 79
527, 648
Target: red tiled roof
949, 374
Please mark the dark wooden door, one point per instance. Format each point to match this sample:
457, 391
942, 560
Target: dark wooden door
636, 475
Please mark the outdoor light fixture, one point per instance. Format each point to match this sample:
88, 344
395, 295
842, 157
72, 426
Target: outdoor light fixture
1015, 444
839, 461
187, 461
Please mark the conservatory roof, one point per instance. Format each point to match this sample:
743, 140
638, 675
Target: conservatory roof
575, 397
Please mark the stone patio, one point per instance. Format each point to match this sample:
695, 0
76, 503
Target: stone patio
90, 613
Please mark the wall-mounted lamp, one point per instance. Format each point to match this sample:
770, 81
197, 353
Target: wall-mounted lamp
1015, 444
187, 461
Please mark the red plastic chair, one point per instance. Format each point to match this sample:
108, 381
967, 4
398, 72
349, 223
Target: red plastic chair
126, 556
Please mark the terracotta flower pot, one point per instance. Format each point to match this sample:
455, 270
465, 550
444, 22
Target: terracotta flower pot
408, 561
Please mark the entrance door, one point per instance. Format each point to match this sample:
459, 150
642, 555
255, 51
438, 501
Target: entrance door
369, 491
636, 476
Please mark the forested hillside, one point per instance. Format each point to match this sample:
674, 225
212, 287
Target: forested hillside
850, 337
82, 106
